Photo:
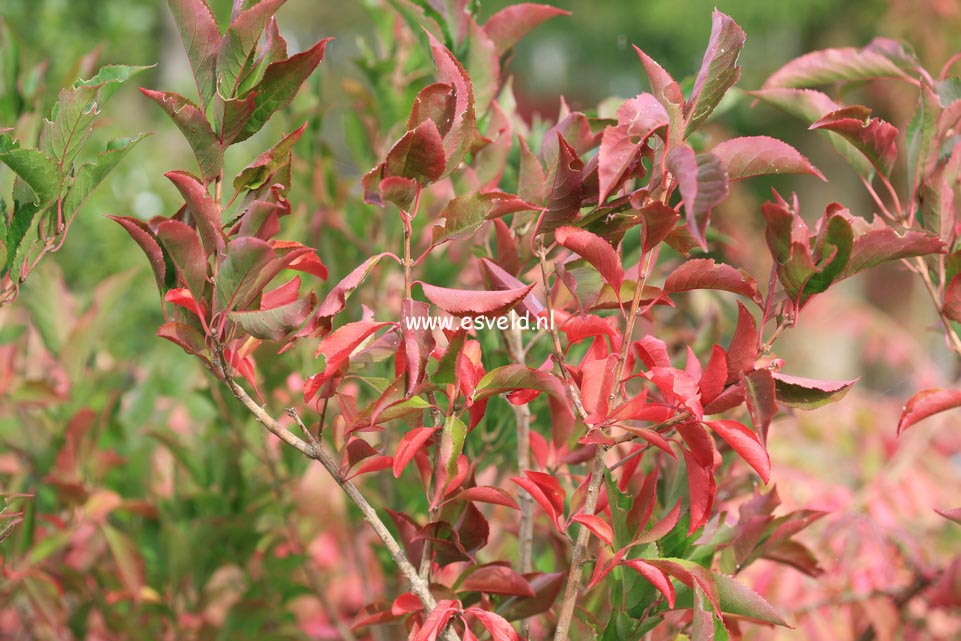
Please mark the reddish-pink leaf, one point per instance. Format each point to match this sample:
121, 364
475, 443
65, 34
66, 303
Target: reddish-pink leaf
336, 348
196, 129
677, 386
486, 494
418, 155
751, 156
437, 620
496, 579
742, 353
598, 526
714, 377
371, 464
927, 403
704, 273
509, 25
656, 576
718, 72
953, 514
547, 491
182, 297
833, 65
142, 235
760, 394
336, 299
409, 445
882, 243
305, 261
702, 487
201, 38
405, 604
952, 299
595, 250
703, 184
462, 302
667, 92
206, 212
458, 139
183, 245
746, 443
582, 326
873, 137
663, 527
566, 194
652, 352
499, 628
186, 336
436, 103
418, 341
501, 279
808, 393
282, 295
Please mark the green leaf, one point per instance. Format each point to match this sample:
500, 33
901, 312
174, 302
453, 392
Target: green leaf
719, 70
267, 163
239, 43
77, 108
464, 214
24, 220
807, 393
194, 126
201, 37
452, 443
246, 257
90, 174
36, 168
280, 84
738, 599
274, 324
838, 241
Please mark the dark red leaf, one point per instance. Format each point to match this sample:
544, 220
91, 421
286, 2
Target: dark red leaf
714, 377
566, 194
436, 103
703, 184
183, 245
205, 211
419, 154
186, 336
702, 488
496, 579
418, 341
142, 235
501, 279
751, 156
927, 403
759, 392
873, 137
742, 353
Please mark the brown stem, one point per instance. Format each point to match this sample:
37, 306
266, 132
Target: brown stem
631, 319
949, 332
580, 549
522, 416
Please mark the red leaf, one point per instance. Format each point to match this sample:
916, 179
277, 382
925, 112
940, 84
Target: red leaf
186, 336
419, 154
583, 326
196, 129
437, 620
142, 235
759, 392
501, 279
509, 25
409, 445
704, 273
436, 103
201, 38
703, 184
927, 403
185, 299
667, 92
953, 515
282, 295
337, 347
662, 528
405, 604
462, 302
702, 487
566, 194
596, 385
594, 250
952, 299
598, 526
652, 352
458, 139
678, 387
742, 353
746, 443
206, 212
371, 464
873, 137
714, 377
656, 576
499, 628
486, 494
496, 579
719, 70
418, 341
832, 65
547, 491
183, 245
308, 262
751, 156
336, 299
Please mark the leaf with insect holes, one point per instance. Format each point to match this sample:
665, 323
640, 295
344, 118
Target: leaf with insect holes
808, 393
280, 84
873, 137
928, 403
462, 302
458, 139
751, 156
201, 38
719, 71
510, 24
194, 126
496, 579
704, 273
746, 443
594, 250
464, 214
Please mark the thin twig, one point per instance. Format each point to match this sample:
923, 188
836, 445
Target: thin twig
950, 334
522, 416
